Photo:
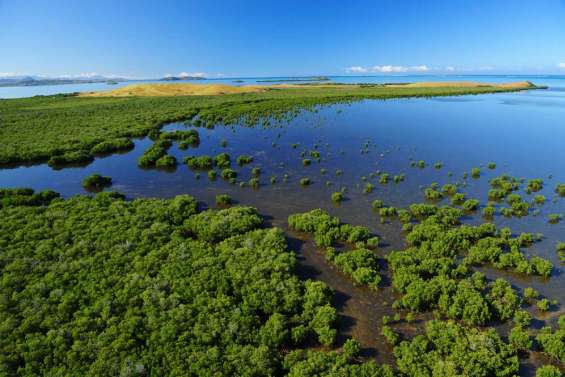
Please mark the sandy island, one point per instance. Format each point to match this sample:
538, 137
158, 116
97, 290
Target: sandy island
192, 89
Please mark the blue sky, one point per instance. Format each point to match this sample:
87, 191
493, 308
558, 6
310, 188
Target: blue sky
146, 39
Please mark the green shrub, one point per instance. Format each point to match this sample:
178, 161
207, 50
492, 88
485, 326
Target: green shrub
560, 189
548, 371
166, 161
228, 173
519, 338
223, 199
491, 165
554, 218
305, 181
199, 162
470, 204
244, 160
337, 197
475, 173
377, 204
222, 160
96, 181
543, 304
489, 211
111, 146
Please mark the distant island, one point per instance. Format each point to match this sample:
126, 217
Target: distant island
182, 78
38, 81
294, 79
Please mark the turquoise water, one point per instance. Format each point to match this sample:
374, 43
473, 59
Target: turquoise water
28, 91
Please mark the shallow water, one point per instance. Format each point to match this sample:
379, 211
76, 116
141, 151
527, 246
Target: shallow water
29, 91
523, 133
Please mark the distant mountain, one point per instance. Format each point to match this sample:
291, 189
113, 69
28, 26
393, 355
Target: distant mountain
37, 80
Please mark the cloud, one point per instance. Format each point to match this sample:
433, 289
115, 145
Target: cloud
356, 69
388, 69
450, 68
561, 65
8, 74
191, 74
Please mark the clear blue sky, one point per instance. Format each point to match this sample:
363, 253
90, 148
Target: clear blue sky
262, 38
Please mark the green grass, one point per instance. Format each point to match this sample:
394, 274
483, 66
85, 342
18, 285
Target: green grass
38, 128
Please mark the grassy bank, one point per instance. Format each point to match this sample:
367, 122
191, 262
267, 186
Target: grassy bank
38, 128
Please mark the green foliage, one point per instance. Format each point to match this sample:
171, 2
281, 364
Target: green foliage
552, 342
554, 218
161, 288
432, 194
543, 304
470, 204
475, 173
434, 273
360, 264
377, 204
313, 363
448, 349
491, 165
489, 211
222, 160
534, 185
390, 335
96, 182
167, 161
368, 188
337, 196
154, 153
449, 189
458, 198
305, 181
25, 197
548, 371
560, 189
113, 145
199, 162
223, 199
306, 162
244, 160
520, 339
228, 173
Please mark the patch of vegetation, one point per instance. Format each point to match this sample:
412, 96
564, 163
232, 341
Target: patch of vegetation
360, 264
337, 197
163, 272
38, 128
112, 146
244, 160
430, 274
449, 349
199, 162
96, 182
223, 199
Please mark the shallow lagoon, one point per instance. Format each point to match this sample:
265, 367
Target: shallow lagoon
522, 133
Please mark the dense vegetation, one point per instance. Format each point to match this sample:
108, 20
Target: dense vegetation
435, 271
72, 129
360, 264
100, 286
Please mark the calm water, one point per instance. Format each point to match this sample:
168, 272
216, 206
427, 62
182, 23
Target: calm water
523, 133
29, 91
